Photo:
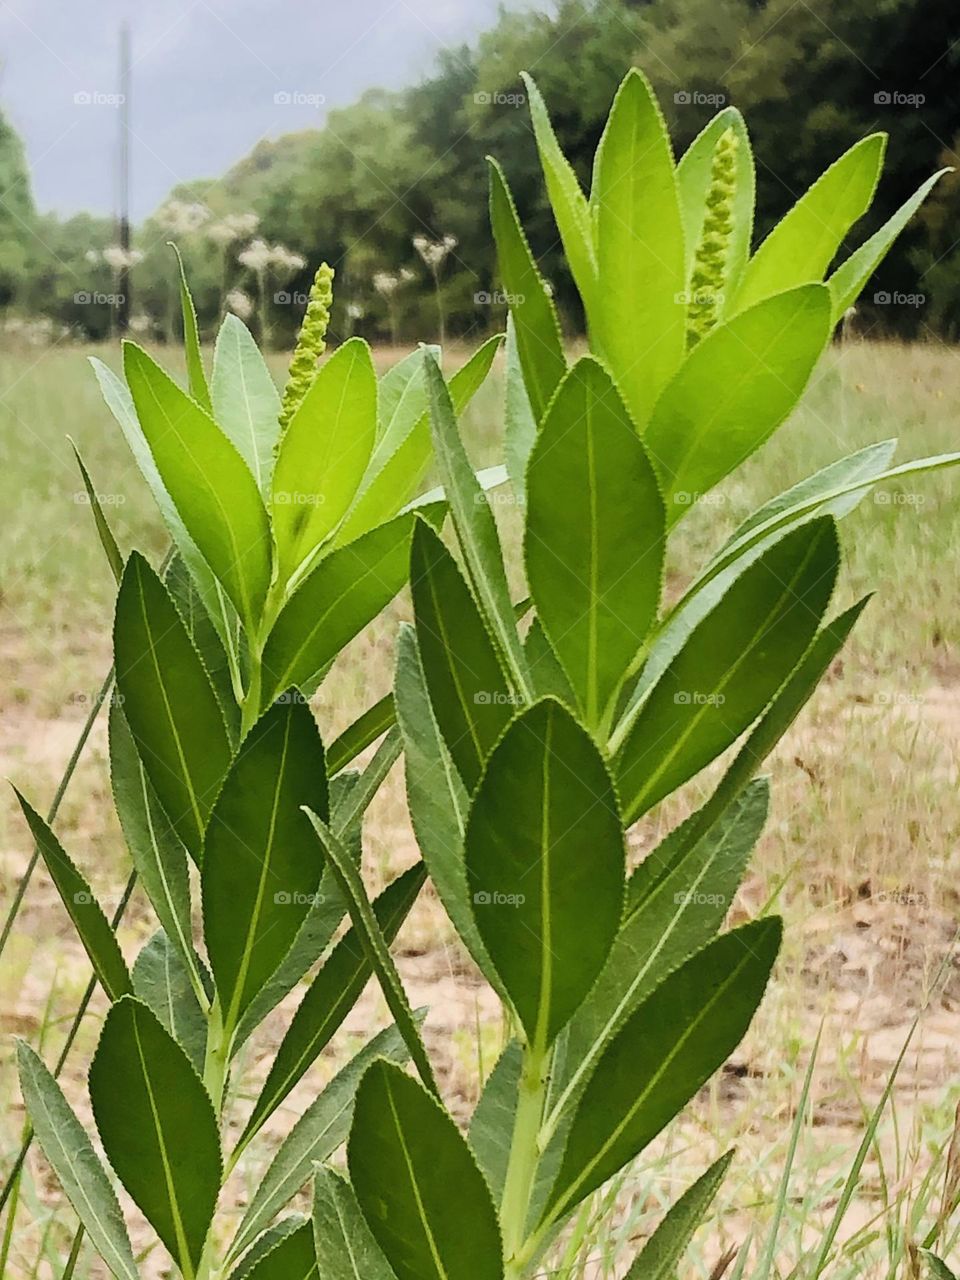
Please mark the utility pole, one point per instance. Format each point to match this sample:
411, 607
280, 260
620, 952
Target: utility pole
123, 220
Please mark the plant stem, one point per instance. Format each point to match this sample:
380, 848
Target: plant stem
524, 1157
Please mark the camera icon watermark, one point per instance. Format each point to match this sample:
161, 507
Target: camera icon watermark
897, 98
697, 698
297, 98
499, 99
883, 298
697, 98
494, 898
94, 98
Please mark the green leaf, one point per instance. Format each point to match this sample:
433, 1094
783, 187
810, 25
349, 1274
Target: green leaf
475, 525
330, 997
468, 689
734, 389
324, 453
594, 541
99, 940
730, 667
660, 1256
693, 183
850, 277
364, 731
261, 866
801, 247
534, 316
545, 865
168, 702
246, 403
394, 386
269, 1241
640, 250
492, 1124
158, 1128
105, 533
163, 982
211, 485
378, 953
346, 1249
71, 1156
315, 1136
673, 1043
548, 677
292, 1258
197, 378
937, 1267
406, 1156
221, 669
519, 426
155, 848
570, 208
345, 592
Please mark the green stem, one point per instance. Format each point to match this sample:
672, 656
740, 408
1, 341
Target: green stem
71, 1266
524, 1158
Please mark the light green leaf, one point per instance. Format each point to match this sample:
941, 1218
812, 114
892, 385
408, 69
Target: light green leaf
346, 1249
330, 997
730, 667
545, 866
492, 1124
246, 403
163, 982
315, 1136
158, 1128
732, 392
211, 485
406, 1155
92, 926
364, 731
168, 702
594, 541
801, 247
393, 388
674, 1042
261, 866
197, 378
534, 316
660, 1256
519, 427
293, 1257
937, 1267
850, 277
323, 454
639, 320
71, 1156
693, 183
570, 208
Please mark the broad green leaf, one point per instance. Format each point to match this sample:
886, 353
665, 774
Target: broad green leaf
92, 926
662, 1055
346, 1249
330, 997
261, 865
534, 316
246, 403
405, 410
104, 532
158, 1128
163, 982
570, 208
594, 541
196, 376
519, 426
120, 402
371, 938
70, 1153
730, 667
685, 904
168, 702
294, 1257
211, 485
801, 247
638, 320
475, 525
345, 592
850, 277
732, 392
436, 796
406, 1156
392, 388
469, 693
364, 731
155, 848
315, 1136
221, 669
491, 1127
545, 865
324, 453
660, 1256
266, 1243
693, 184
936, 1266
546, 674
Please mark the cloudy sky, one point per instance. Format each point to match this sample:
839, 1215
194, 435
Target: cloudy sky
210, 78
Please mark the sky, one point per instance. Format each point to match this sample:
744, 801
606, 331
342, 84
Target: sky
210, 79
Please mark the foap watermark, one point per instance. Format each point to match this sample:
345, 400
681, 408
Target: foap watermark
682, 498
494, 898
292, 498
285, 898
899, 498
697, 98
96, 98
882, 298
694, 898
498, 498
283, 298
92, 298
499, 298
499, 98
904, 897
298, 98
81, 699
292, 697
898, 98
699, 298
84, 499
497, 698
697, 698
899, 698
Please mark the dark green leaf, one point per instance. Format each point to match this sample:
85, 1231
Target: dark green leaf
491, 1128
292, 1258
163, 982
364, 731
659, 1257
548, 677
346, 1249
104, 532
207, 642
268, 1242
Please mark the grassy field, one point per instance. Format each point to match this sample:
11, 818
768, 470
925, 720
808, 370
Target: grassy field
861, 851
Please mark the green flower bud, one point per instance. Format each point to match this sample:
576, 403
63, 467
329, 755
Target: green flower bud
708, 277
310, 346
